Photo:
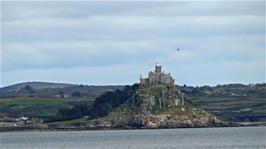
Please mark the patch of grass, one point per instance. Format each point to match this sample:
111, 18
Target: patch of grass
179, 111
158, 110
47, 112
154, 90
120, 115
71, 122
260, 111
203, 99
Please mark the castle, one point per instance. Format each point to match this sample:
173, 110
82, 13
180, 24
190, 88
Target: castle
158, 77
156, 93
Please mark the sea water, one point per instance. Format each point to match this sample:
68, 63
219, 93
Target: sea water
204, 138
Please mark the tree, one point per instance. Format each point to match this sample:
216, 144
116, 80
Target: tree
76, 94
110, 100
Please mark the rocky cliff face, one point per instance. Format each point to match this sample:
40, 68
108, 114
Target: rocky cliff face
157, 106
150, 98
164, 106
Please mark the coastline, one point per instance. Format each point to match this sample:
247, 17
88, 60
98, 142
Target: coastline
45, 128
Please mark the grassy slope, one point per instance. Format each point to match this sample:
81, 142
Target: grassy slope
122, 115
31, 101
189, 110
233, 108
33, 107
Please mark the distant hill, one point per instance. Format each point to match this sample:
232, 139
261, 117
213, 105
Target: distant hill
46, 89
59, 90
226, 90
35, 85
230, 102
44, 100
32, 85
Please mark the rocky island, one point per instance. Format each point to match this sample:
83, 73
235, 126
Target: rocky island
153, 103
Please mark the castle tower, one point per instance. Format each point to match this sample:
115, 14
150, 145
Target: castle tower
157, 77
158, 69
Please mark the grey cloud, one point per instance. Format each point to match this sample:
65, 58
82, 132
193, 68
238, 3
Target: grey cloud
83, 9
75, 54
64, 36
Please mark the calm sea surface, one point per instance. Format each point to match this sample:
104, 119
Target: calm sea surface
205, 138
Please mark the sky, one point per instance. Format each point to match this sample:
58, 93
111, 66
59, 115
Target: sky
110, 43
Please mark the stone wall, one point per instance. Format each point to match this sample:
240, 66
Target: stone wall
157, 77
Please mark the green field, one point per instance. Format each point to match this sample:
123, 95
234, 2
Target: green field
233, 108
32, 107
32, 101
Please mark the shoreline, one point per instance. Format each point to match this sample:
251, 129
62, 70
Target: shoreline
75, 128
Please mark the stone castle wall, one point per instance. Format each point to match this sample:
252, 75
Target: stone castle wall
157, 77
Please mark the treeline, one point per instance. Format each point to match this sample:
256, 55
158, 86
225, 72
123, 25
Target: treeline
101, 106
110, 100
251, 90
77, 111
71, 91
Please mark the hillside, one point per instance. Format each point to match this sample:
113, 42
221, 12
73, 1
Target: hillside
54, 90
32, 85
232, 102
45, 100
226, 90
158, 106
154, 103
150, 106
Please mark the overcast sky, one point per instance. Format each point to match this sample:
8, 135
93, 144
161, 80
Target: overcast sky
100, 43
